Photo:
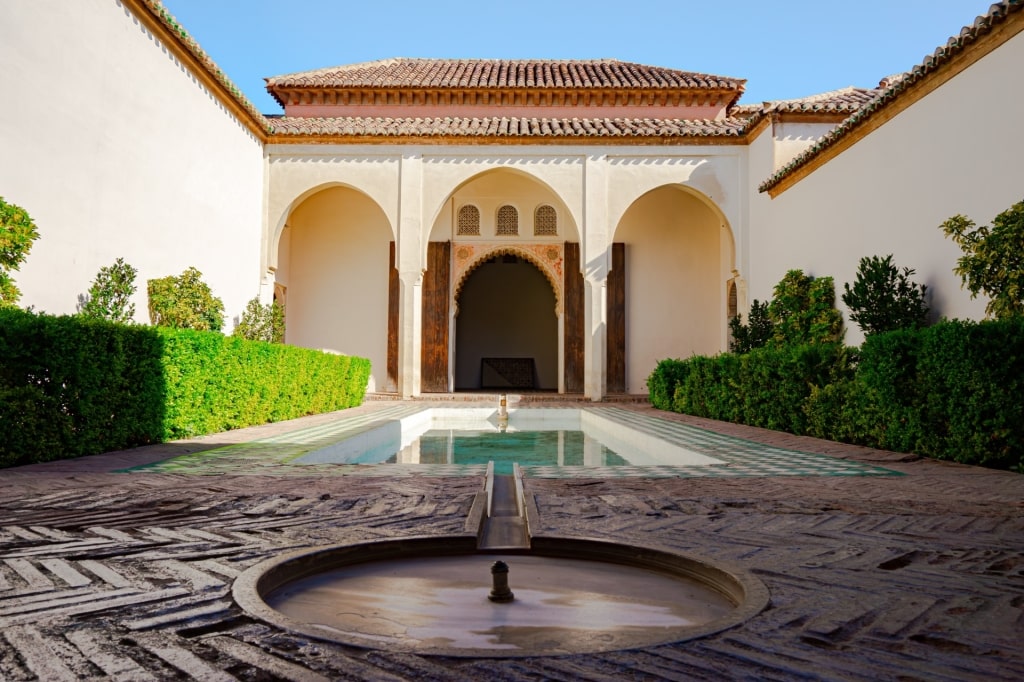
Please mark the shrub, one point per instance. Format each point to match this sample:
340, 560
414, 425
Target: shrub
889, 414
950, 391
662, 383
73, 386
802, 310
17, 234
757, 331
261, 322
710, 388
883, 299
971, 378
184, 302
216, 383
768, 387
776, 382
109, 297
993, 260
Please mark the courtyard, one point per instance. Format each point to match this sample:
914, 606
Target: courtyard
910, 569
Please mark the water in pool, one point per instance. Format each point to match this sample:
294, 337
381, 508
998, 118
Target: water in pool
538, 437
528, 448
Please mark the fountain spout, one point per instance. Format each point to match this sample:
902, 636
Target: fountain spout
500, 591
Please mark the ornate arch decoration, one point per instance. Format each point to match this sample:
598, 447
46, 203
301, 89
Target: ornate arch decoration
548, 258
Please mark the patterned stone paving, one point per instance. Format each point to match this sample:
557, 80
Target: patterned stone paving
127, 576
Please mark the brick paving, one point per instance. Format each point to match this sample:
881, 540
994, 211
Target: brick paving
127, 576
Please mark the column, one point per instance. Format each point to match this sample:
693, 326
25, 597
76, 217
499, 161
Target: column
409, 258
594, 256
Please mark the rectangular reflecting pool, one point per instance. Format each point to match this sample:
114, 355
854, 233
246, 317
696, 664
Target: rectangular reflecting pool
530, 437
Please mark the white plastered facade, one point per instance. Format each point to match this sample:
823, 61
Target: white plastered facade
596, 191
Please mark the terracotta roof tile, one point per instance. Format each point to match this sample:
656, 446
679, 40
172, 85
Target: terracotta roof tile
501, 73
845, 100
505, 127
894, 87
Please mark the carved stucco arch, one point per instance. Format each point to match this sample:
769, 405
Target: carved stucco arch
548, 258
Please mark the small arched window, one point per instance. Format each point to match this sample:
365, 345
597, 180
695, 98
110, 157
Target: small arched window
734, 308
508, 220
545, 221
469, 220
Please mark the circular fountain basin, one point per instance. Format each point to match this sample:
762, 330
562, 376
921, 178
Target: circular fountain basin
429, 595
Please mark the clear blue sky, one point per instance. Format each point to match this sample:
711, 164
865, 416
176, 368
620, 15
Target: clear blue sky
784, 48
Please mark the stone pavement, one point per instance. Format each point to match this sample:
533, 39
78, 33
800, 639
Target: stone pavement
127, 576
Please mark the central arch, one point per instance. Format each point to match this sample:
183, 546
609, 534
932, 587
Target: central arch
506, 323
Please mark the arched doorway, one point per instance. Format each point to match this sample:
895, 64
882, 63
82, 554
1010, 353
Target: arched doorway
333, 262
506, 327
679, 253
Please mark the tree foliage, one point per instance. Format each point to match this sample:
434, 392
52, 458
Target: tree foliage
803, 310
883, 298
17, 234
184, 302
109, 297
755, 333
993, 260
261, 322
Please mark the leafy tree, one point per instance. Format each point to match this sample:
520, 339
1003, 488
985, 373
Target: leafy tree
993, 260
110, 295
17, 234
757, 331
803, 310
261, 322
883, 299
184, 302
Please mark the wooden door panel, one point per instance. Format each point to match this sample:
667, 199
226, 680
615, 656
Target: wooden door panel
436, 287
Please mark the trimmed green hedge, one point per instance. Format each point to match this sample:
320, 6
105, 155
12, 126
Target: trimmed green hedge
217, 382
950, 391
767, 387
72, 386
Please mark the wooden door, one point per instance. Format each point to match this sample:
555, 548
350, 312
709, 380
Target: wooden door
391, 382
573, 319
615, 369
436, 288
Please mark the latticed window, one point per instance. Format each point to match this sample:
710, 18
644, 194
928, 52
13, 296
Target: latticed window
508, 220
545, 221
469, 220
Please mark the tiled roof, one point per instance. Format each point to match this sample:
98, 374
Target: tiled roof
842, 102
501, 73
505, 127
157, 10
894, 87
846, 100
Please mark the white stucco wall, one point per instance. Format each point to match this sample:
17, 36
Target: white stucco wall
792, 138
957, 150
117, 151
